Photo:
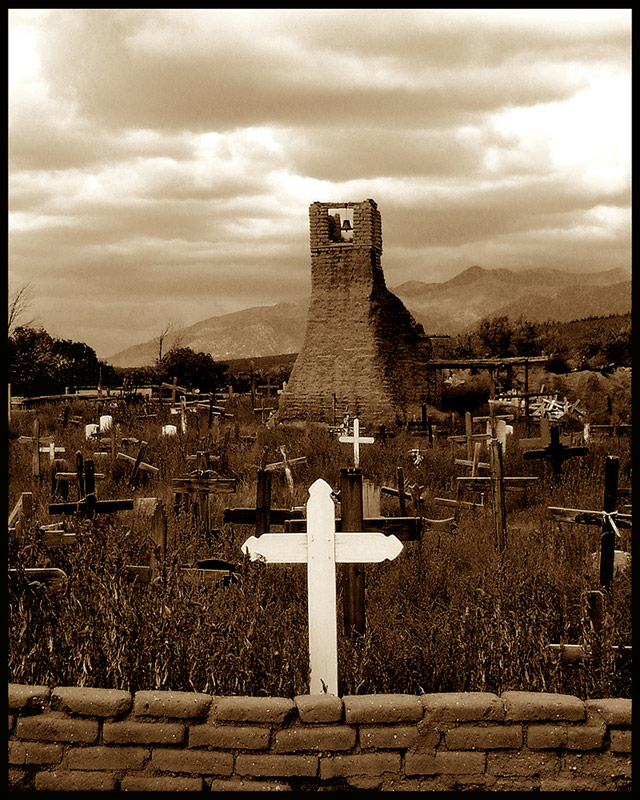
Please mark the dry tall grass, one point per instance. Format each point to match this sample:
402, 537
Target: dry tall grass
449, 614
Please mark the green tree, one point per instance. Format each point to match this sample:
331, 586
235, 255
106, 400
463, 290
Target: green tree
192, 370
40, 364
496, 337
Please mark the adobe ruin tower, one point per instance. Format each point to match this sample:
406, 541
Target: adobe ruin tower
363, 352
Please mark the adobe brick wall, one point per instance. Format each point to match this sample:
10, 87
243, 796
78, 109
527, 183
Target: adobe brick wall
71, 738
361, 344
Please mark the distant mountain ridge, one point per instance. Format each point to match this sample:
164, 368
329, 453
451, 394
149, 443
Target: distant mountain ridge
449, 307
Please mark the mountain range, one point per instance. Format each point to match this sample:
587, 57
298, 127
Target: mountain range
449, 307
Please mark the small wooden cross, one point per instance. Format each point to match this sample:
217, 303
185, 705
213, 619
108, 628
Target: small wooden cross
608, 519
468, 438
356, 440
422, 427
193, 493
138, 464
89, 505
321, 548
285, 464
555, 452
262, 516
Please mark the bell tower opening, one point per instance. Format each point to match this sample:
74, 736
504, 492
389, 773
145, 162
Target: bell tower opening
341, 225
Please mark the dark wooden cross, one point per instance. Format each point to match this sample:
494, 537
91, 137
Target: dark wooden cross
88, 505
262, 516
555, 452
138, 464
608, 519
192, 493
60, 478
352, 519
423, 426
269, 387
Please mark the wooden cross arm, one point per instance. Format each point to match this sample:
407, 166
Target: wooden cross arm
220, 485
164, 385
497, 416
481, 483
562, 452
247, 516
406, 529
394, 492
142, 465
104, 506
72, 476
464, 463
280, 464
448, 501
476, 437
583, 517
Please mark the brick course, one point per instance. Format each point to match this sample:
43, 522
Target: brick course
76, 739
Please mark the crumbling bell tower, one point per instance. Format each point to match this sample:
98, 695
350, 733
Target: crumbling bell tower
363, 352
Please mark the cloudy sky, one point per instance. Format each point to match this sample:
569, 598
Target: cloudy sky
162, 161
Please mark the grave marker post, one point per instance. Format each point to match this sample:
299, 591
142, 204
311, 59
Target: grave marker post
35, 460
555, 452
356, 440
352, 520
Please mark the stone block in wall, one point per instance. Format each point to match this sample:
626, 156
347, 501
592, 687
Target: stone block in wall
181, 705
542, 705
91, 702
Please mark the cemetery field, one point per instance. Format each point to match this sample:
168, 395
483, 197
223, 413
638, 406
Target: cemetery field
452, 612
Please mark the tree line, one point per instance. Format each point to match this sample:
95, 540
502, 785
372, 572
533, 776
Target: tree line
40, 364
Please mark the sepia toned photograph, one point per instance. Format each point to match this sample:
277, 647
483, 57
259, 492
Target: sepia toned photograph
319, 400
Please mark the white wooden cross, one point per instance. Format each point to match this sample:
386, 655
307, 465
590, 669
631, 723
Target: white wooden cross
357, 441
321, 548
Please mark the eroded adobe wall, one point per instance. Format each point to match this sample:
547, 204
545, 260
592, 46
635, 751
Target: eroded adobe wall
81, 739
361, 344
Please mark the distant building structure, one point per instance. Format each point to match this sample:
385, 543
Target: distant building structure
363, 352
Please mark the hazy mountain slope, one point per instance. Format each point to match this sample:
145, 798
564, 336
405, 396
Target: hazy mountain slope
258, 331
538, 295
443, 308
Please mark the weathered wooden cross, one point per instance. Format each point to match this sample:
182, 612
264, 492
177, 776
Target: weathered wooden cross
88, 505
285, 464
352, 519
555, 452
192, 493
321, 548
469, 437
138, 464
356, 440
262, 516
609, 519
423, 426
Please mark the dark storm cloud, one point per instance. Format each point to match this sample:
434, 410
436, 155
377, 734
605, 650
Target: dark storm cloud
162, 161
